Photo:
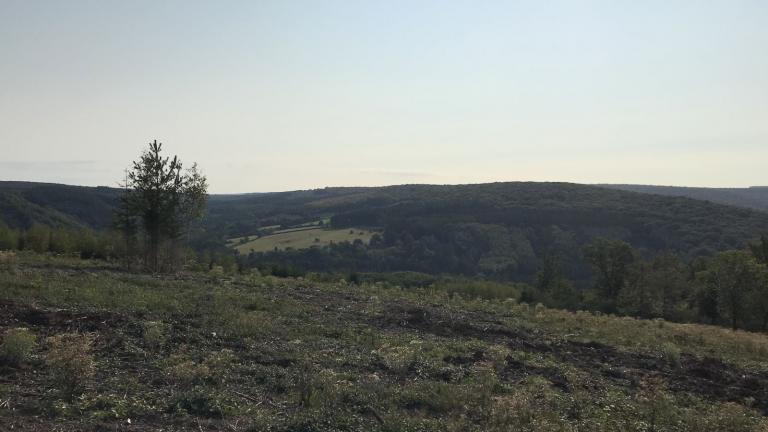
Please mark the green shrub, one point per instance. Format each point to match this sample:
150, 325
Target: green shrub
17, 346
670, 353
70, 362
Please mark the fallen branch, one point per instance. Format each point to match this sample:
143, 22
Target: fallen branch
248, 397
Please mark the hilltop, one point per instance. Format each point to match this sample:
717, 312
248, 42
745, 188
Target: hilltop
755, 197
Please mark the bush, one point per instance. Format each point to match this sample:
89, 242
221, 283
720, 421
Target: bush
670, 353
17, 347
70, 361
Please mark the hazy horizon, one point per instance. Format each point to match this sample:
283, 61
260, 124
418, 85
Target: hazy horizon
410, 184
276, 96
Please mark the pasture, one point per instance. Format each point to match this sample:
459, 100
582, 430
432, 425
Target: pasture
301, 238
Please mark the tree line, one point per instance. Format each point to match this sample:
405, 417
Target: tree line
729, 288
108, 245
157, 211
83, 242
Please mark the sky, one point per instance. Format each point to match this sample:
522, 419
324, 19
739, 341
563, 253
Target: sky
285, 95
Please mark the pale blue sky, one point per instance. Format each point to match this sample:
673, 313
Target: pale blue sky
286, 95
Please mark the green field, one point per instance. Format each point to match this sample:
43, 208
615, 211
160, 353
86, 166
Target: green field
301, 238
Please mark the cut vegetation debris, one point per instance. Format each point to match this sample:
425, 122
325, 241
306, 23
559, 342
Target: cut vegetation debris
98, 349
300, 238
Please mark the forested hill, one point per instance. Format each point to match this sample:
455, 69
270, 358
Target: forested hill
25, 203
755, 197
652, 221
498, 229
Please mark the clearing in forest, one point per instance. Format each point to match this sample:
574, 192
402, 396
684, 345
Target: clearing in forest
302, 238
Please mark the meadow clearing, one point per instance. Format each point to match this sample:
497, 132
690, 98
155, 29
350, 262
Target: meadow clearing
299, 238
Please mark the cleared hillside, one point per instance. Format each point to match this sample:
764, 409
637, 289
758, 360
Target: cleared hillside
248, 353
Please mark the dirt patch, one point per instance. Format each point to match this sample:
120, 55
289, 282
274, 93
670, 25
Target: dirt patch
66, 320
708, 378
47, 322
440, 322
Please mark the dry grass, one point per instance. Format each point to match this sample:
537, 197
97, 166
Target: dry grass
735, 345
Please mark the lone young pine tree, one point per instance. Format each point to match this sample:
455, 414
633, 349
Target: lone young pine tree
160, 202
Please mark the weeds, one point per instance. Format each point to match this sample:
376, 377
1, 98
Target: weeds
17, 346
184, 372
670, 353
70, 362
531, 406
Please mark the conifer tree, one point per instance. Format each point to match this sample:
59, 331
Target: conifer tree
160, 202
